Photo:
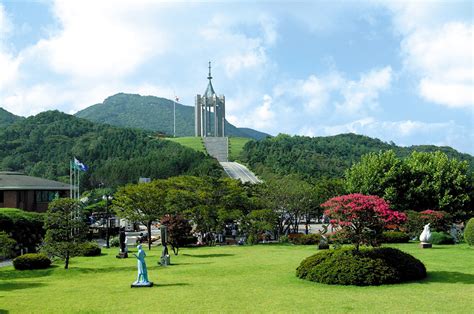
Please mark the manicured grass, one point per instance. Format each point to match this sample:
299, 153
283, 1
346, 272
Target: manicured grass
191, 142
234, 279
236, 145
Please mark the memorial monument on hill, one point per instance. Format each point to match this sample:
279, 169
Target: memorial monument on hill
209, 112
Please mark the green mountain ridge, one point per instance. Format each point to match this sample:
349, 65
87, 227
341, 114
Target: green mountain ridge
7, 118
154, 114
43, 145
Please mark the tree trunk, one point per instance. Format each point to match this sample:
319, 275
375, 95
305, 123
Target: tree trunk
66, 265
148, 228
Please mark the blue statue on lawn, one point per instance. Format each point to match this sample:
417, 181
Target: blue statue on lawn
142, 277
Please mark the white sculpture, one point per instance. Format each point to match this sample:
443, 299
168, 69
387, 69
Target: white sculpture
425, 236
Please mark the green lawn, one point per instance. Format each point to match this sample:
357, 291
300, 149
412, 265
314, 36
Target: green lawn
191, 142
234, 279
236, 144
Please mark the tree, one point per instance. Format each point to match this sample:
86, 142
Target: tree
142, 202
361, 218
381, 174
420, 182
179, 230
66, 229
7, 245
259, 221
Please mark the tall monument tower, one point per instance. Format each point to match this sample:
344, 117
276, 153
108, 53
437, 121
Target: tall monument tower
209, 112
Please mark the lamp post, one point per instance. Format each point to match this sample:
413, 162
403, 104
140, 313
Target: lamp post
107, 198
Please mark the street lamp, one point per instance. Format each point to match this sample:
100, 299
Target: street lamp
107, 198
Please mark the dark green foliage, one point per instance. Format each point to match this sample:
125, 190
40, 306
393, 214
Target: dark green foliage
90, 249
7, 245
469, 232
43, 145
315, 157
395, 237
26, 228
31, 261
306, 239
441, 238
154, 114
362, 268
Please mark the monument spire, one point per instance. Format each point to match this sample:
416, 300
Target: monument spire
209, 77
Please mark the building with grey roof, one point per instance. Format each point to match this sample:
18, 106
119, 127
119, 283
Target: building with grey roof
29, 193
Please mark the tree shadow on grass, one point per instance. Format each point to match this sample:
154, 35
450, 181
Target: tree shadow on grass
2, 311
18, 274
449, 277
197, 263
9, 286
87, 270
208, 255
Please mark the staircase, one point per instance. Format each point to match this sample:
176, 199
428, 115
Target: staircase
217, 147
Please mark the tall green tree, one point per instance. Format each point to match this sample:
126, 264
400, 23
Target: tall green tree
420, 182
142, 202
66, 229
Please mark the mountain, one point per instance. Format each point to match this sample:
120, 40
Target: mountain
315, 157
154, 114
7, 118
43, 145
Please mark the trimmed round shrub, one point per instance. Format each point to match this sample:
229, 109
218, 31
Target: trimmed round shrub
469, 232
31, 261
91, 249
441, 238
395, 237
361, 268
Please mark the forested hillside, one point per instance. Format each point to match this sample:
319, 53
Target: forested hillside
314, 157
153, 113
7, 118
42, 146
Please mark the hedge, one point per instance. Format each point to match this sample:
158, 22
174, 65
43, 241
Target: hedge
26, 228
31, 261
469, 232
91, 249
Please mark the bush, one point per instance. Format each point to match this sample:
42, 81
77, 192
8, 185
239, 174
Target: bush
90, 249
469, 232
31, 261
26, 228
115, 242
284, 239
441, 238
306, 239
395, 237
361, 268
7, 245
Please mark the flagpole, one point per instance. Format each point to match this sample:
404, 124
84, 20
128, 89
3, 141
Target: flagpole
174, 116
70, 179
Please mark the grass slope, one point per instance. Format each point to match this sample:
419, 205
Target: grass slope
236, 145
234, 279
191, 142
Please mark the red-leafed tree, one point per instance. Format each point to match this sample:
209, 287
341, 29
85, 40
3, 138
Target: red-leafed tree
361, 218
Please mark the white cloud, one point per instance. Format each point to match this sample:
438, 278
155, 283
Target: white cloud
363, 94
443, 58
437, 48
262, 117
8, 63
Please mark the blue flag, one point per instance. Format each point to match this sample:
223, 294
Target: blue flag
79, 165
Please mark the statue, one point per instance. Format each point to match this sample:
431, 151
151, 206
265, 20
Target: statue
165, 257
425, 237
123, 245
142, 277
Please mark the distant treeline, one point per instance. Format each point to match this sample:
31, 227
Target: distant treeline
43, 145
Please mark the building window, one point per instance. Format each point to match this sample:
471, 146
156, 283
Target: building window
45, 196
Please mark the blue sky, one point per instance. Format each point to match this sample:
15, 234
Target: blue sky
398, 71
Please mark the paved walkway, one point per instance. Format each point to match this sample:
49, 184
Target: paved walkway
240, 172
5, 263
